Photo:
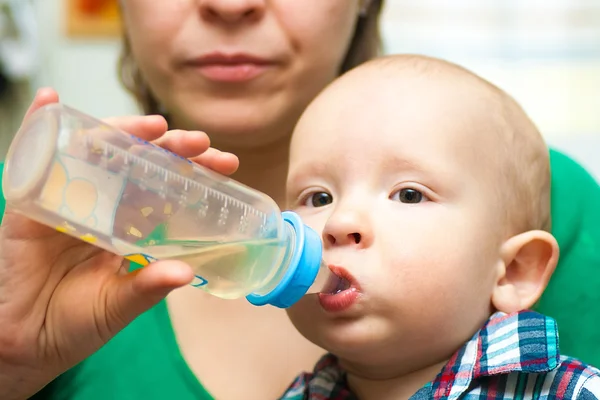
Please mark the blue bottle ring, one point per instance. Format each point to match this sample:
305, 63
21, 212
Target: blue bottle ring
302, 271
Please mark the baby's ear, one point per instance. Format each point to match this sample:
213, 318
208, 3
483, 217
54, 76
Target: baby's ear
528, 261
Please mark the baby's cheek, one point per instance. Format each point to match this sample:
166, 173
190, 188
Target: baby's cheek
420, 284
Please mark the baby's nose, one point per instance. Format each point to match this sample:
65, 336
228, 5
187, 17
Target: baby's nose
346, 228
350, 238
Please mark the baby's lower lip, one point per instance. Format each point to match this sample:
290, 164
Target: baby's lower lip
340, 301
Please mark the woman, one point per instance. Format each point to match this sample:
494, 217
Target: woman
242, 70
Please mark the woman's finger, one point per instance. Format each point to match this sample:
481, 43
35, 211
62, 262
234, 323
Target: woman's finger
147, 127
219, 161
44, 96
184, 143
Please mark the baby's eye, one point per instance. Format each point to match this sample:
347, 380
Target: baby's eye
318, 199
410, 196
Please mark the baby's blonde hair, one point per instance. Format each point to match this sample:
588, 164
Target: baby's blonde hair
521, 160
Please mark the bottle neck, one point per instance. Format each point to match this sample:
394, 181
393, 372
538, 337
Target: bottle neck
287, 245
299, 266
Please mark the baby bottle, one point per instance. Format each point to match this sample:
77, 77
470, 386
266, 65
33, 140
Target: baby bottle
82, 177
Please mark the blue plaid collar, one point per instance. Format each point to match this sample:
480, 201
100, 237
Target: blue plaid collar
521, 342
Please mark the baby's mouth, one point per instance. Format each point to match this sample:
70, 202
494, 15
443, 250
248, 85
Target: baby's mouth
343, 291
337, 283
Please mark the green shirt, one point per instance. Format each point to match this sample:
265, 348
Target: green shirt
144, 361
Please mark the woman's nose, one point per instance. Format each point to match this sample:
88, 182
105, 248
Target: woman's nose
231, 11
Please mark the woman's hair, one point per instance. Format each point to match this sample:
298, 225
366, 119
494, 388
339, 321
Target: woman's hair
365, 45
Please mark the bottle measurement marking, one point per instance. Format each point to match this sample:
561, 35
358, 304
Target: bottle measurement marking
188, 184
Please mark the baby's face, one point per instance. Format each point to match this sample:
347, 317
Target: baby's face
393, 173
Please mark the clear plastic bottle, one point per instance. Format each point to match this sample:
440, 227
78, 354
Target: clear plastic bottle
82, 177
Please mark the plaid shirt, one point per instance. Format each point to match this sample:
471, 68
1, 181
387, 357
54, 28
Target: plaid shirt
512, 357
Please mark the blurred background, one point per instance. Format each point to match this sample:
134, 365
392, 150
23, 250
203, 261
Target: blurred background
546, 53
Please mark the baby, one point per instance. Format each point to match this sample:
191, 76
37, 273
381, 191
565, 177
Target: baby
431, 188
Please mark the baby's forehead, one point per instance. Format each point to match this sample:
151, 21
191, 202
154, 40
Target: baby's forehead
395, 105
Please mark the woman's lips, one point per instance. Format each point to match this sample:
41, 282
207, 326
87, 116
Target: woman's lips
238, 67
231, 72
341, 292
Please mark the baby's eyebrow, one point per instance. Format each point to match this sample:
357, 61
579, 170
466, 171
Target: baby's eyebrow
435, 174
395, 161
306, 169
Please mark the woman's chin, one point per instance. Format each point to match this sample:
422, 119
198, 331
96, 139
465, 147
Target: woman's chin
233, 132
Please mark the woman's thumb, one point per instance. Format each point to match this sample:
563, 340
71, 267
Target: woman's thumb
138, 291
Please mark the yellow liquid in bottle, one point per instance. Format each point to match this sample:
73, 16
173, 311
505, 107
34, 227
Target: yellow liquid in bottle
228, 270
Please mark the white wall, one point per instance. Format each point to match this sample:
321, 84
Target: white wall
546, 53
83, 71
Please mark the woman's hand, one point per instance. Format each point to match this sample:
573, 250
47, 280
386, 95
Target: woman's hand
61, 299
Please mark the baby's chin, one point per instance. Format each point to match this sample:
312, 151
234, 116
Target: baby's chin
377, 354
353, 338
